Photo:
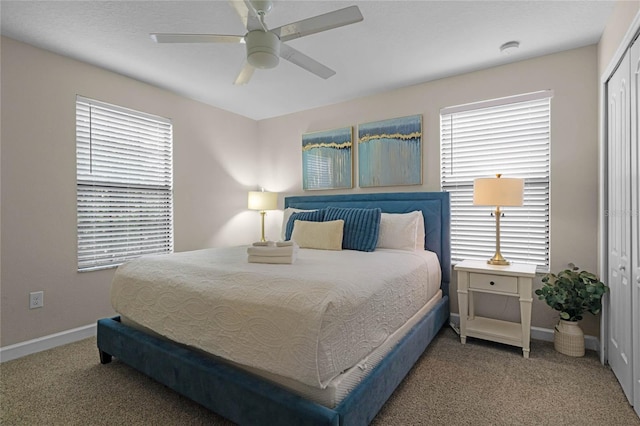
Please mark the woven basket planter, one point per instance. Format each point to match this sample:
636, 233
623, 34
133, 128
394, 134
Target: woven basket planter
568, 338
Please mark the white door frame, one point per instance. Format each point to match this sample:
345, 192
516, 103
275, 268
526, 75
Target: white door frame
635, 215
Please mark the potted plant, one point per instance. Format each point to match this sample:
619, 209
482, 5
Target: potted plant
571, 292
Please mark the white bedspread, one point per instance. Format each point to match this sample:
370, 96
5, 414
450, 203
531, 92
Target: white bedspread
308, 321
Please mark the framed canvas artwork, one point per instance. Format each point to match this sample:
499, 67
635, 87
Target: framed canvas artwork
327, 159
390, 152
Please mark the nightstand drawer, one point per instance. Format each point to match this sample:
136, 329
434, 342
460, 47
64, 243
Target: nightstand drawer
500, 283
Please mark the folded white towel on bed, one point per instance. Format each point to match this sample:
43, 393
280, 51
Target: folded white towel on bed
285, 243
272, 259
264, 244
273, 251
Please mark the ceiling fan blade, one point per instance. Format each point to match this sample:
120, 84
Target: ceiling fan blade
241, 9
300, 59
247, 15
195, 38
245, 74
327, 21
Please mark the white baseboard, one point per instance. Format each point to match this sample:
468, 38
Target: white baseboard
537, 333
46, 342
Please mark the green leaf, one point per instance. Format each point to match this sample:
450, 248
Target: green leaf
572, 292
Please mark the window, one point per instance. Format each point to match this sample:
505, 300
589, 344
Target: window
508, 136
124, 184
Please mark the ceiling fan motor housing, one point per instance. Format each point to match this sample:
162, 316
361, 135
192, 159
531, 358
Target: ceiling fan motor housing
263, 49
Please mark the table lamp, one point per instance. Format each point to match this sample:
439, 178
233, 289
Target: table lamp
262, 201
499, 192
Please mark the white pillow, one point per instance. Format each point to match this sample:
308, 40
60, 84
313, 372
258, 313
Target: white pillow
318, 235
421, 233
401, 231
285, 219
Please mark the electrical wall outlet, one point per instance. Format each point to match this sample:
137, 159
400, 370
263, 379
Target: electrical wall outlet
36, 299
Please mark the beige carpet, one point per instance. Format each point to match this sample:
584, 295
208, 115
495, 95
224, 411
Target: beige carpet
480, 383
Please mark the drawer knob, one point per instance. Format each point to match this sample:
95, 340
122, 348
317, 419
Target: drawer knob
492, 283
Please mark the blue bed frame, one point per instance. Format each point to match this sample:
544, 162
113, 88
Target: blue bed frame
248, 400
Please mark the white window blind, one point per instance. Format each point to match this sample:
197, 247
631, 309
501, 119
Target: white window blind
508, 136
124, 184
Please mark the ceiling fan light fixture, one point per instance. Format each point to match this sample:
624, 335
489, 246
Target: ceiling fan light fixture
263, 49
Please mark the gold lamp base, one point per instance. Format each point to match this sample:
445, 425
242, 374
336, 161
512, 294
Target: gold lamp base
497, 259
262, 214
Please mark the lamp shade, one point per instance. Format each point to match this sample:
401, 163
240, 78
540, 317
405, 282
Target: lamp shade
498, 191
259, 200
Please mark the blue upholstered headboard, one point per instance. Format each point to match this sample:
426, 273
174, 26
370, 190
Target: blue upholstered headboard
434, 205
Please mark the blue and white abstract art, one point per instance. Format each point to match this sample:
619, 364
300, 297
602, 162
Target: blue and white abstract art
390, 152
327, 159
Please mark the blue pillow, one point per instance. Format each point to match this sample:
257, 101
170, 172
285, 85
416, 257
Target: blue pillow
361, 226
312, 216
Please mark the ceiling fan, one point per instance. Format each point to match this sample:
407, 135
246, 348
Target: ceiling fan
265, 47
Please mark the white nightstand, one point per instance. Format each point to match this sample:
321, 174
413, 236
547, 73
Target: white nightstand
512, 280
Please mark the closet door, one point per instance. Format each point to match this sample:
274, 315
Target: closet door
635, 217
620, 350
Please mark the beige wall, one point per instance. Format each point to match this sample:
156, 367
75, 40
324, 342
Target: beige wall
574, 149
213, 168
617, 26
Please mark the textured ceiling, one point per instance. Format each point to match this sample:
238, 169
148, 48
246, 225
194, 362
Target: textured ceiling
399, 43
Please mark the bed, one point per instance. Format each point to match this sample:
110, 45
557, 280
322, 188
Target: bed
247, 398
